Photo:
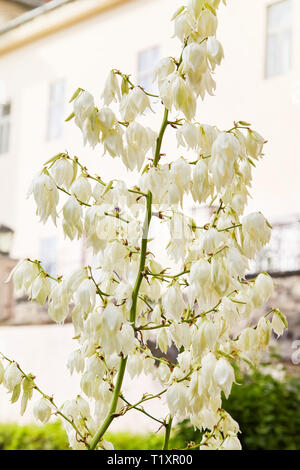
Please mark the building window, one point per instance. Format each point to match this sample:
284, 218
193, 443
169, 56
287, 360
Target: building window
279, 38
5, 111
56, 110
147, 60
282, 254
48, 254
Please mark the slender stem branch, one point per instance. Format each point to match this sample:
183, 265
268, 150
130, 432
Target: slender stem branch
158, 395
169, 276
158, 359
168, 433
217, 213
96, 178
141, 410
69, 194
126, 77
146, 303
98, 290
230, 228
147, 398
193, 319
156, 327
116, 216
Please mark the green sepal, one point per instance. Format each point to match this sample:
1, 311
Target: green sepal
16, 393
124, 87
177, 12
76, 94
53, 159
244, 123
69, 118
252, 162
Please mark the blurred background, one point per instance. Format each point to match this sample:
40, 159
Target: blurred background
50, 48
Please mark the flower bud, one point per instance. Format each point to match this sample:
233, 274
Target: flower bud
215, 52
45, 193
42, 410
83, 106
224, 376
256, 233
194, 56
162, 340
40, 289
183, 99
134, 103
177, 398
231, 443
164, 68
24, 275
59, 300
135, 365
85, 296
12, 377
81, 188
111, 90
126, 339
279, 323
254, 144
173, 303
263, 289
63, 172
76, 362
112, 317
183, 25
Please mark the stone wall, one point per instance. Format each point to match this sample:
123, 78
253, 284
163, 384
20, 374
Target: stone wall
287, 298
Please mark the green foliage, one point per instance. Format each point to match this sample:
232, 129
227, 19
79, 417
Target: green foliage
53, 437
267, 411
48, 437
125, 441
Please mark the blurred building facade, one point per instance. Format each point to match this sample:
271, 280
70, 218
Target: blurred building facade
48, 49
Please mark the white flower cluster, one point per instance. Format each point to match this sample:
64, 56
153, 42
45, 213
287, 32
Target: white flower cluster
130, 297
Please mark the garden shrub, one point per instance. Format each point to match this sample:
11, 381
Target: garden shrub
268, 412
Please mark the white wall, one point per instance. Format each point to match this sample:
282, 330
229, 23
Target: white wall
84, 53
30, 347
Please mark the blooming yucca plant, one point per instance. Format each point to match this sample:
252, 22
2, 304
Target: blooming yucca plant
129, 296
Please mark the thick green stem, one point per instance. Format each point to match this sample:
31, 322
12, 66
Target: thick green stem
168, 433
117, 390
112, 410
142, 258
